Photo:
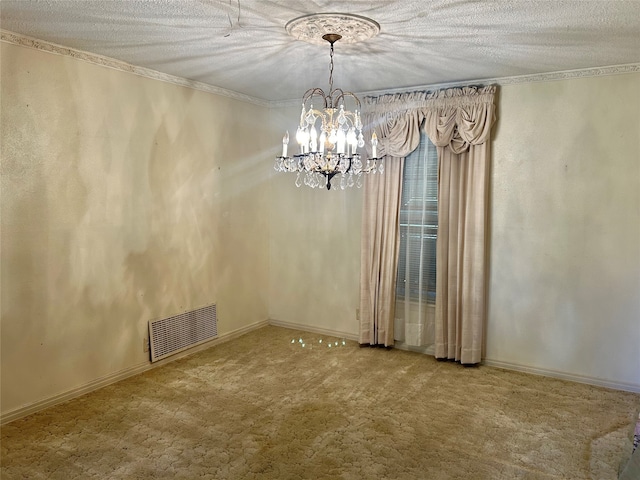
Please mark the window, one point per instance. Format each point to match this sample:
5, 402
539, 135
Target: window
419, 225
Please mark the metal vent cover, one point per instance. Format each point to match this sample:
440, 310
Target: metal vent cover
171, 335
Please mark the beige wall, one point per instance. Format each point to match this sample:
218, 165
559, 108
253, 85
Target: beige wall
314, 275
565, 228
564, 294
124, 199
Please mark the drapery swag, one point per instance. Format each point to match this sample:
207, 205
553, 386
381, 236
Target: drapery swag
458, 121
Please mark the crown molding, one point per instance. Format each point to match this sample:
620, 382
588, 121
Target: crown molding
519, 79
29, 42
292, 102
569, 74
95, 59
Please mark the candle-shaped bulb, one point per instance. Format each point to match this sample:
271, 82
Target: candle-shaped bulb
313, 135
305, 141
333, 137
374, 145
285, 142
341, 140
352, 140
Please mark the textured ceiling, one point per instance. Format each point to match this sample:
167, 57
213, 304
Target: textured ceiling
242, 45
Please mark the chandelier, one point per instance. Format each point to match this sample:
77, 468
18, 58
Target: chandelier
329, 138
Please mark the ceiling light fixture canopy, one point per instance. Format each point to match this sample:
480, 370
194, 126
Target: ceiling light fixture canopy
329, 139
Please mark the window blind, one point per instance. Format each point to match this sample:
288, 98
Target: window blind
418, 224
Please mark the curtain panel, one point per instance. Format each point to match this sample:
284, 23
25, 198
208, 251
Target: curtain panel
398, 135
458, 121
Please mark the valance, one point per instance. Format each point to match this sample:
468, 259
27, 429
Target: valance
457, 117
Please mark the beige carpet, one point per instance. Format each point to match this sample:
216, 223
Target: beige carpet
261, 407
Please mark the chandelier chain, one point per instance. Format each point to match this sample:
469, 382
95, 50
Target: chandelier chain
331, 71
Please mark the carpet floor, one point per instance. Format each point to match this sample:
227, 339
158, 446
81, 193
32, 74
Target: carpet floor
262, 406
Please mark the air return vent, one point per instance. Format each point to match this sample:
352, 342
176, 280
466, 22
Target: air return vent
171, 335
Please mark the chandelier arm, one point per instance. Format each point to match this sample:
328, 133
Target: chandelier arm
315, 92
337, 95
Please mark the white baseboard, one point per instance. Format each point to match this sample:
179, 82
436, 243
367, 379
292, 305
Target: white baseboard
309, 328
31, 408
98, 383
598, 382
225, 337
430, 350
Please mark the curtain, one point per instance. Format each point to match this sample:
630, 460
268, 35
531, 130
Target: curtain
397, 136
379, 253
458, 121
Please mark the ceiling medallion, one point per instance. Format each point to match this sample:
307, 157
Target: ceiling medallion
352, 28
